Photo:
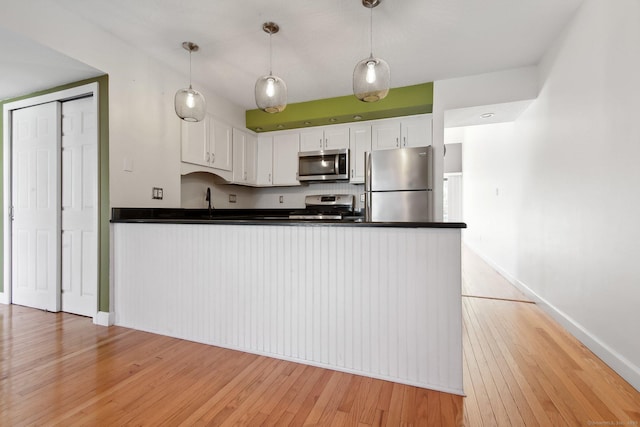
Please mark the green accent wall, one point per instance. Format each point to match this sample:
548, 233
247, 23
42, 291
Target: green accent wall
103, 185
401, 101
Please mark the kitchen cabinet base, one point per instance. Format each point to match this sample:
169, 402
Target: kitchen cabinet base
379, 302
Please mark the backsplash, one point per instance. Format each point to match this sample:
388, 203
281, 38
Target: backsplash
194, 187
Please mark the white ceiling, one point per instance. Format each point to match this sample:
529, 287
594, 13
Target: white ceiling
27, 67
320, 41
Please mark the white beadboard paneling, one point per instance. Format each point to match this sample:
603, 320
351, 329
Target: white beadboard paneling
381, 302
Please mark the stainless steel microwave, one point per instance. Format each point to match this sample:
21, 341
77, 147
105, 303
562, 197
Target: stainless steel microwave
326, 165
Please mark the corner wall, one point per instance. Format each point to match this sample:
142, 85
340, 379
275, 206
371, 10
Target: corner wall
569, 171
506, 86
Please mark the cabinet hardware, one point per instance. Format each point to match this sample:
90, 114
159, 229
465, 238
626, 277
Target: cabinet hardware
207, 158
404, 141
397, 142
213, 157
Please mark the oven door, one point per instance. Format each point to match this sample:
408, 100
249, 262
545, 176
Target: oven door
328, 165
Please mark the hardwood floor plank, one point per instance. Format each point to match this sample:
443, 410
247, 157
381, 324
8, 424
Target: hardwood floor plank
329, 400
526, 397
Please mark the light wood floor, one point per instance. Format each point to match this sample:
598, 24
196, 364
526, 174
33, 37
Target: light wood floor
521, 369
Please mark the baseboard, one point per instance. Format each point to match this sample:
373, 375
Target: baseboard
103, 318
624, 367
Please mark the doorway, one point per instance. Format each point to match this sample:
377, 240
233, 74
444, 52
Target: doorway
53, 175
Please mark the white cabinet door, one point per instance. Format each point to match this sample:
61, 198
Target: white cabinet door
195, 142
221, 145
285, 159
312, 140
386, 135
251, 159
239, 156
336, 137
264, 161
416, 131
324, 138
360, 144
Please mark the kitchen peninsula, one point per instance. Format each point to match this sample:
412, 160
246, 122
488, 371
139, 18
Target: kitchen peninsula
376, 299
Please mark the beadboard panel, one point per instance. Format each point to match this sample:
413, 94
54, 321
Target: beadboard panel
381, 302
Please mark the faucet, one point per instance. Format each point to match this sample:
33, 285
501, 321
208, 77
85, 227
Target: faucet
208, 199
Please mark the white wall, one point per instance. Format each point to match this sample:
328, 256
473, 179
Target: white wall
492, 192
569, 183
143, 128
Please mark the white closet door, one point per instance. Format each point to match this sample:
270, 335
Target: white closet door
35, 269
79, 207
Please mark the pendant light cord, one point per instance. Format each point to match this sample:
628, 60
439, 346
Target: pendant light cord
270, 55
371, 31
190, 52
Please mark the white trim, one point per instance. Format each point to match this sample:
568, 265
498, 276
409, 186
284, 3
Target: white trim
623, 367
103, 318
63, 95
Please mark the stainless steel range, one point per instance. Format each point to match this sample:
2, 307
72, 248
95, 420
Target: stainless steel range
334, 207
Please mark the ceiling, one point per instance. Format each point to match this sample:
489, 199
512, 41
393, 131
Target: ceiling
27, 67
320, 41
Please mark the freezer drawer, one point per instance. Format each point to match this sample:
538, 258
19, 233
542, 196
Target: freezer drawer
399, 206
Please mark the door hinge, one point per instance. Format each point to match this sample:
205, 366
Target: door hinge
11, 213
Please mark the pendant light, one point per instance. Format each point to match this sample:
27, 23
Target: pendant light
371, 77
190, 104
271, 91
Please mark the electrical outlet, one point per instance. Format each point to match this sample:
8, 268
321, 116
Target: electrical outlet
232, 198
362, 198
157, 193
281, 199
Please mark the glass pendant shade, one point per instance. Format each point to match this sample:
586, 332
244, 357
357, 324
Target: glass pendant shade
371, 76
371, 79
271, 91
271, 94
190, 105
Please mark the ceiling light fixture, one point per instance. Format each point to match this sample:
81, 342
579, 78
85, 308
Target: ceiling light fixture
487, 115
371, 77
190, 104
271, 91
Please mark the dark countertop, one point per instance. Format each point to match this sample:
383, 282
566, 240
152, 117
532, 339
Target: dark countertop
251, 217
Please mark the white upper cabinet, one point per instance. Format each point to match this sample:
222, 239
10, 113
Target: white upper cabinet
416, 131
411, 131
324, 138
207, 143
360, 137
285, 159
195, 142
264, 161
221, 145
245, 150
385, 135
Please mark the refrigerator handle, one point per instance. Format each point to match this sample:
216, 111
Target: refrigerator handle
367, 186
367, 171
367, 206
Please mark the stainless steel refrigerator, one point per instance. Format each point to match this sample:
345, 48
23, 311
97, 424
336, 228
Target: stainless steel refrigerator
399, 185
